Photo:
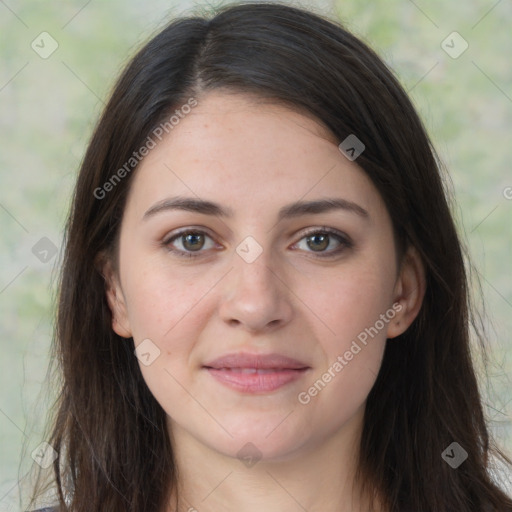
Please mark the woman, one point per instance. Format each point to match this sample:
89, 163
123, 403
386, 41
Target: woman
263, 303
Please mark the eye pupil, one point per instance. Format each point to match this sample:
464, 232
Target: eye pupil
193, 238
324, 241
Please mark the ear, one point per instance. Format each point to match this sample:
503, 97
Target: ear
115, 297
409, 292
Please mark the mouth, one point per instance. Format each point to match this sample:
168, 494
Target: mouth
256, 373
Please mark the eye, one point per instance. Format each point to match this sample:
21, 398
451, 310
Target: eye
191, 241
318, 240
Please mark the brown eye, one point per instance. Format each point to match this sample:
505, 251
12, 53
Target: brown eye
320, 240
191, 241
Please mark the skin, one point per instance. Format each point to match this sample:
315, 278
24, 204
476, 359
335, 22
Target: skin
255, 158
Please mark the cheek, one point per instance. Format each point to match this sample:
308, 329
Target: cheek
355, 311
353, 354
350, 301
162, 304
169, 312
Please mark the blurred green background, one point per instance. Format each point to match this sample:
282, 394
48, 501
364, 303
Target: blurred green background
50, 102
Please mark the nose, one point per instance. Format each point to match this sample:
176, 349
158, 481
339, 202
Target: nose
256, 296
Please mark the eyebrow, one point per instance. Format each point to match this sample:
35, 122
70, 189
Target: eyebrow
292, 210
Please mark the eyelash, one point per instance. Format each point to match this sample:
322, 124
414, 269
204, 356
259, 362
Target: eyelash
344, 240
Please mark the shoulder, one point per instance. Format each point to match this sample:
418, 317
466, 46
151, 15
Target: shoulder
46, 509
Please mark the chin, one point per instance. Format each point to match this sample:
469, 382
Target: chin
262, 437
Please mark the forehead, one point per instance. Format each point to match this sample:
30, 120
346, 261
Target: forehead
250, 154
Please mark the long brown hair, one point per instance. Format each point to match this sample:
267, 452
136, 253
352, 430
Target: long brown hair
110, 434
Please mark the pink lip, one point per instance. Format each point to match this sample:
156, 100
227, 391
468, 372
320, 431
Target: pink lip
258, 361
255, 373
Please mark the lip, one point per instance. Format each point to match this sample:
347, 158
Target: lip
258, 361
256, 373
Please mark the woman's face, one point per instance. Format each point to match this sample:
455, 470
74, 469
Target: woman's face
257, 281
